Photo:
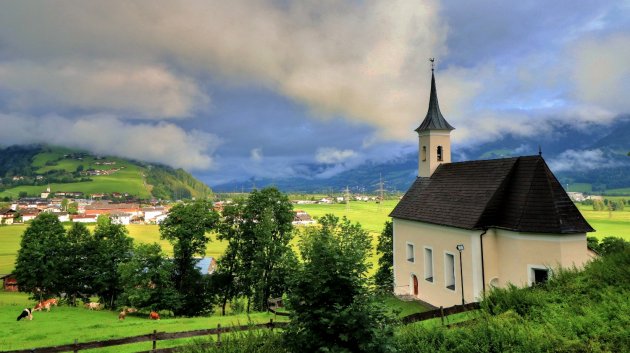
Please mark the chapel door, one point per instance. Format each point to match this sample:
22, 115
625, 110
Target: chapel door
415, 285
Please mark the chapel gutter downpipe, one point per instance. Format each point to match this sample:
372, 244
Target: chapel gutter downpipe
483, 270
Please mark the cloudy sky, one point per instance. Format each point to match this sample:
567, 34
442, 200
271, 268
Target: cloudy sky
271, 88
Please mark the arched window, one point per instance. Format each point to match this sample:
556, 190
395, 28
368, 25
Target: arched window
424, 153
439, 153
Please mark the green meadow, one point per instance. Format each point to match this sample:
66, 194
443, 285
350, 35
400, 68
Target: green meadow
64, 324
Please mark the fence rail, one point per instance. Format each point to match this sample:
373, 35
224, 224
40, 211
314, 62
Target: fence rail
151, 337
440, 312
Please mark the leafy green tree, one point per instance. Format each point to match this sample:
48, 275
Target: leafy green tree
73, 208
23, 194
598, 205
231, 264
332, 307
186, 227
114, 247
384, 277
80, 263
258, 258
38, 262
147, 280
64, 204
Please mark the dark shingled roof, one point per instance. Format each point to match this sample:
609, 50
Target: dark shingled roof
519, 194
434, 120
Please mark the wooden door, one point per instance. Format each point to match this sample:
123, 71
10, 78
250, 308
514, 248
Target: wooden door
415, 285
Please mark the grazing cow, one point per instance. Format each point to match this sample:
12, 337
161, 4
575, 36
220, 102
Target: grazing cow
154, 316
93, 306
45, 304
26, 313
125, 311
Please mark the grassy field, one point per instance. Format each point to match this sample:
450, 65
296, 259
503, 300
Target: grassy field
63, 324
85, 325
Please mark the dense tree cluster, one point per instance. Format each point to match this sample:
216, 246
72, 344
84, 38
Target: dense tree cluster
77, 263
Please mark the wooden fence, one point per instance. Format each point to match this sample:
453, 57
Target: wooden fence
151, 337
161, 336
440, 312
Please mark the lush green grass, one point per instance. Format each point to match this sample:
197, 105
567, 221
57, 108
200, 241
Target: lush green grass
10, 237
63, 324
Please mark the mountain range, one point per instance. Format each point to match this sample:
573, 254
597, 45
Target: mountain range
591, 159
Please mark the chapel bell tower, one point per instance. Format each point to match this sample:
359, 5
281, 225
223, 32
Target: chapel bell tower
434, 134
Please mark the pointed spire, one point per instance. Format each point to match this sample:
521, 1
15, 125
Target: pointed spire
434, 120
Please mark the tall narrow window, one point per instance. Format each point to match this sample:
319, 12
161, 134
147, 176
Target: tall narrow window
439, 153
428, 264
449, 271
410, 255
424, 153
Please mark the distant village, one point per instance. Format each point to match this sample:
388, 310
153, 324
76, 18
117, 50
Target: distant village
75, 206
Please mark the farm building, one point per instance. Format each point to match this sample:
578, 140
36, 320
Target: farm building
464, 227
9, 283
206, 265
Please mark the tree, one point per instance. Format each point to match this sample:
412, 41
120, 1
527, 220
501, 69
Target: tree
332, 308
22, 194
64, 204
114, 247
186, 227
38, 262
258, 258
384, 277
598, 205
80, 262
147, 280
73, 208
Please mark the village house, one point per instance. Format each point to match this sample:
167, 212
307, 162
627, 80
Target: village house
151, 213
83, 218
7, 215
302, 218
465, 227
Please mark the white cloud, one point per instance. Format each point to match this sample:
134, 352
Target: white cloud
576, 160
601, 72
162, 142
330, 155
369, 67
256, 154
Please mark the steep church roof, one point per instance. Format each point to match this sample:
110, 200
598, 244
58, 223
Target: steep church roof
520, 194
434, 120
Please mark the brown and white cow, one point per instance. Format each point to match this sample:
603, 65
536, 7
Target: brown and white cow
45, 304
154, 316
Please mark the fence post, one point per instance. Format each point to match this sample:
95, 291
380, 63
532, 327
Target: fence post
271, 324
154, 340
76, 348
442, 314
218, 334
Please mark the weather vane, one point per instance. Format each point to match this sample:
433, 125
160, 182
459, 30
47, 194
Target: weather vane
432, 60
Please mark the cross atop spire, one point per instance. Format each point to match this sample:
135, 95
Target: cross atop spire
434, 120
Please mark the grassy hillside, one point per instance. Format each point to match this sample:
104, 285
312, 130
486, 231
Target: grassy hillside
63, 169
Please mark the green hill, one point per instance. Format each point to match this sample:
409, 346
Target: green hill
31, 169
